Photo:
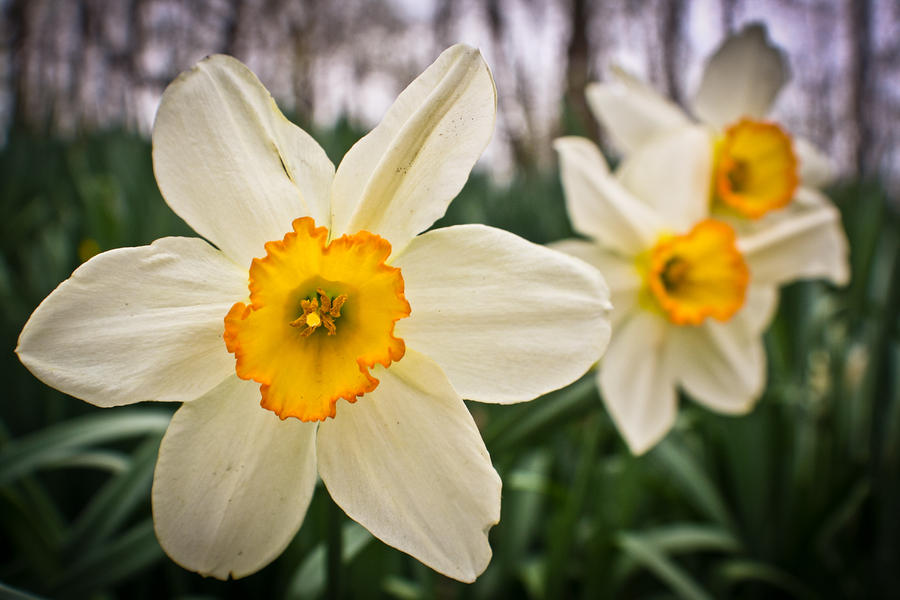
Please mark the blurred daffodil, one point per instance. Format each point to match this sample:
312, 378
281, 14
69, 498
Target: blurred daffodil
691, 294
322, 290
762, 178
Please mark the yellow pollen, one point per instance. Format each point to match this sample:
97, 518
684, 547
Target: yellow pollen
697, 275
755, 168
303, 374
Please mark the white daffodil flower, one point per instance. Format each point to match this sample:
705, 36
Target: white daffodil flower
692, 295
322, 289
761, 177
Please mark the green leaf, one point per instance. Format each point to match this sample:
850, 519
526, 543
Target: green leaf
655, 561
102, 460
9, 593
309, 579
402, 589
562, 536
693, 480
738, 571
682, 538
518, 425
116, 501
107, 564
843, 513
690, 537
60, 442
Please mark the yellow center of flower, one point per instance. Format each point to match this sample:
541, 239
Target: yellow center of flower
321, 314
316, 313
756, 169
697, 275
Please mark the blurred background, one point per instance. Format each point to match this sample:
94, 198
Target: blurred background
800, 499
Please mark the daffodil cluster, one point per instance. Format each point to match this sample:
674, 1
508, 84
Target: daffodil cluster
318, 332
323, 330
694, 231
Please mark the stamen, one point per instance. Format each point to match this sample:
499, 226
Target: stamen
318, 312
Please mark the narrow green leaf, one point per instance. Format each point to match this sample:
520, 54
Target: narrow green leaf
10, 593
518, 426
102, 460
682, 538
562, 537
693, 481
848, 508
690, 537
401, 588
116, 501
108, 564
309, 580
737, 571
51, 445
650, 557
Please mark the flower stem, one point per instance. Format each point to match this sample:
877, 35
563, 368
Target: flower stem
334, 550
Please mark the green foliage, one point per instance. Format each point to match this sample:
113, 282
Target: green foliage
799, 499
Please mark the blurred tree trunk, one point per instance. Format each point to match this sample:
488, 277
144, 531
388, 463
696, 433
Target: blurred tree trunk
74, 64
578, 68
672, 14
860, 12
15, 22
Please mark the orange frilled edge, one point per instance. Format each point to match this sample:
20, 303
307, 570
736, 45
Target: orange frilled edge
756, 169
304, 376
699, 274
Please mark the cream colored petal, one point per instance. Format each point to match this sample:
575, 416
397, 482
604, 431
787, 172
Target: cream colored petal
721, 365
599, 206
672, 173
816, 169
741, 78
631, 111
507, 320
637, 382
400, 178
230, 164
407, 462
232, 482
621, 274
759, 308
137, 324
804, 241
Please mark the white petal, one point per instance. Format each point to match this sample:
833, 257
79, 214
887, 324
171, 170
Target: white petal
816, 169
506, 319
637, 381
759, 308
806, 240
137, 324
741, 79
631, 111
400, 178
671, 173
407, 462
721, 365
599, 206
232, 482
621, 274
230, 164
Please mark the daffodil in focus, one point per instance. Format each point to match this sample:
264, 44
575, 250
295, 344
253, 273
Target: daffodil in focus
762, 178
692, 295
319, 332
